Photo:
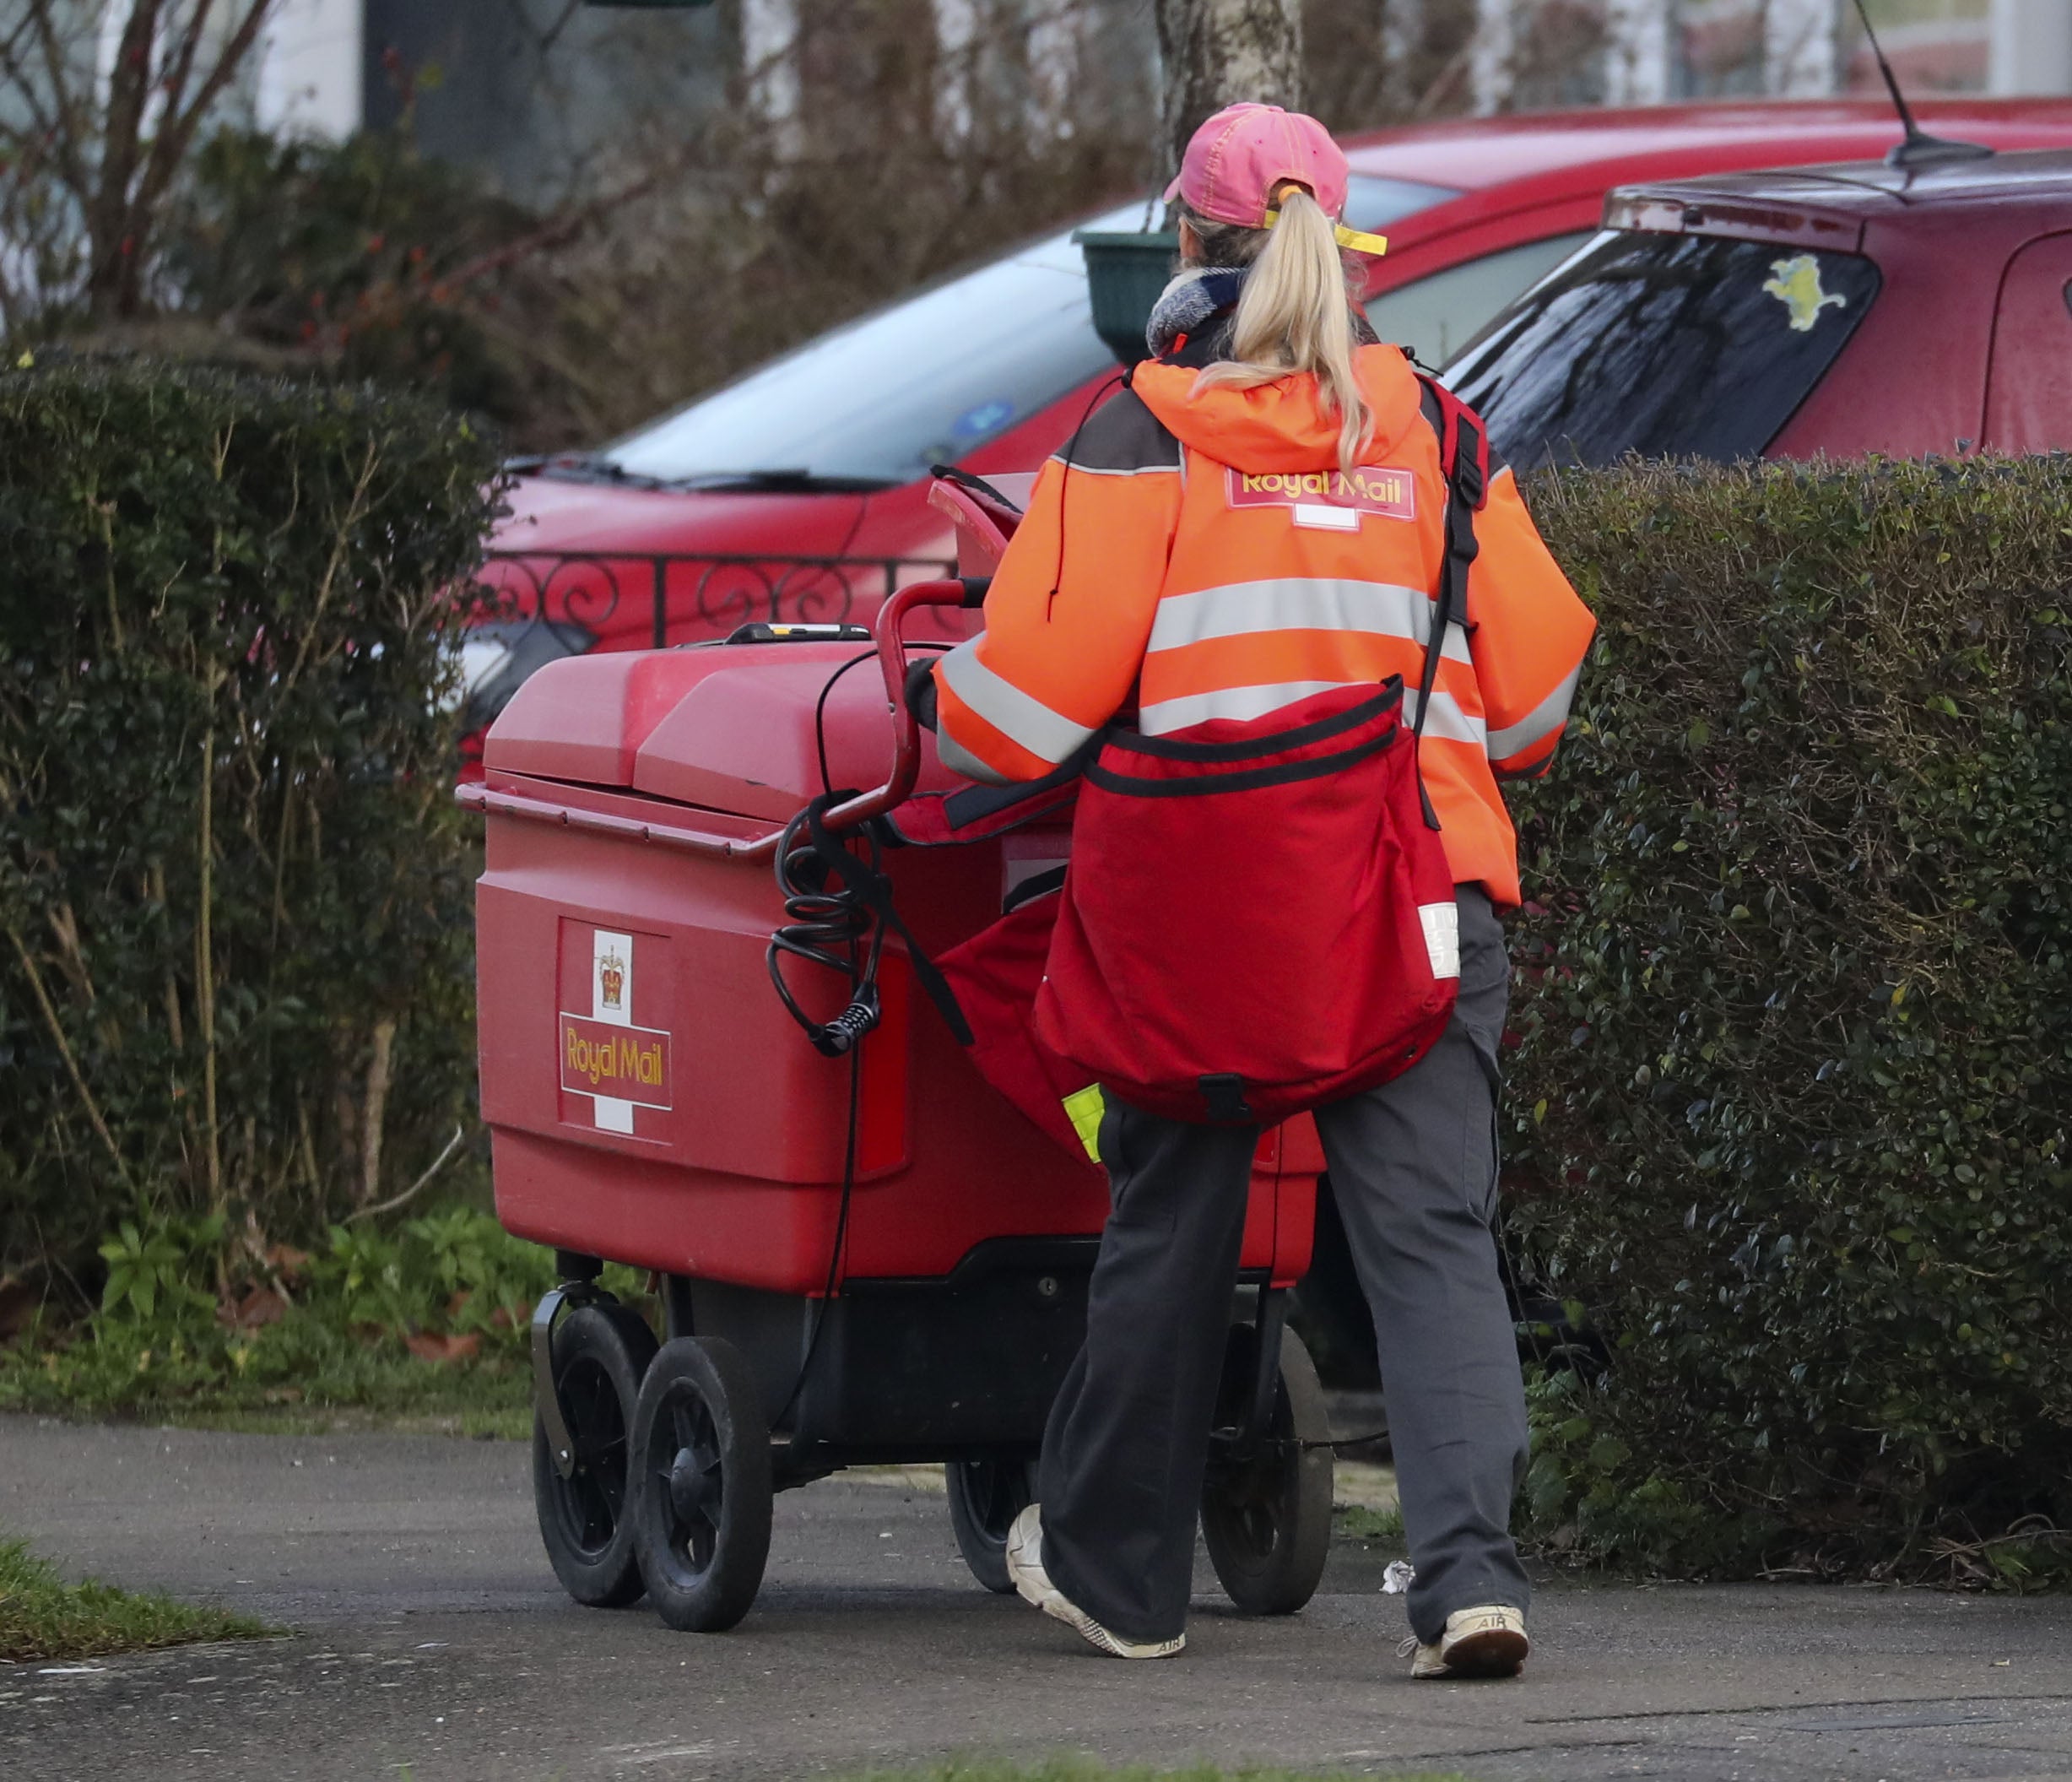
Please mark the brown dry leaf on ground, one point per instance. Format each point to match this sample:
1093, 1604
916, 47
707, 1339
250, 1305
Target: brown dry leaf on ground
427, 1347
260, 1306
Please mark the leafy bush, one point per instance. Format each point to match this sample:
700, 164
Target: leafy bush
457, 1272
1792, 1099
163, 1264
234, 915
430, 1317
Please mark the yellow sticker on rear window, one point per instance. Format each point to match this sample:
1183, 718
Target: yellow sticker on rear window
1796, 283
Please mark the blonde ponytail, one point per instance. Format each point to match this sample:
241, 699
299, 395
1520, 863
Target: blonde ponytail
1294, 316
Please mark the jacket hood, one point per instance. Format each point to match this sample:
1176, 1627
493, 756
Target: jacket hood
1279, 426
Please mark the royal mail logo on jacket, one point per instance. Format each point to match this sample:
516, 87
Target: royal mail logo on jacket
1331, 501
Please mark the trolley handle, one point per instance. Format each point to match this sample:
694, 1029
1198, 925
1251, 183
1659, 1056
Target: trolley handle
960, 591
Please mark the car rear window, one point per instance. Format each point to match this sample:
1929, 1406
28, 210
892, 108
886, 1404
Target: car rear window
1669, 345
930, 379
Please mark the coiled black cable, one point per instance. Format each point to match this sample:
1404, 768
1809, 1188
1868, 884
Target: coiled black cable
829, 924
833, 923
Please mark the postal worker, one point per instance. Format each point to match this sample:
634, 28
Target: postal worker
1174, 558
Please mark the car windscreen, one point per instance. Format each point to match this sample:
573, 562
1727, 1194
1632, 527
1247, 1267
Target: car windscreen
928, 380
1669, 345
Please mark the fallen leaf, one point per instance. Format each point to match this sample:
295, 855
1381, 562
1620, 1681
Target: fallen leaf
428, 1347
261, 1306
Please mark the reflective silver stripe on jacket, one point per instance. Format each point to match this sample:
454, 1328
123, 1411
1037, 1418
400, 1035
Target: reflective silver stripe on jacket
1301, 604
1538, 724
958, 759
1447, 719
1016, 715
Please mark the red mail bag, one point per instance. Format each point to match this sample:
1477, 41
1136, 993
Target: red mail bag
1258, 918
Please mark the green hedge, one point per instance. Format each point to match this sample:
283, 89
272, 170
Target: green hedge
234, 917
1790, 1113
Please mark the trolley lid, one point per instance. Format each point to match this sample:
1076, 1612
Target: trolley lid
728, 726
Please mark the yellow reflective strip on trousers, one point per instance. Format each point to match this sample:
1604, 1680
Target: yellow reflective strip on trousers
1084, 1108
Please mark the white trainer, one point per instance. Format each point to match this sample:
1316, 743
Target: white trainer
1486, 1642
1025, 1565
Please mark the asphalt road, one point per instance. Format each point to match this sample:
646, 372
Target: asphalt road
431, 1642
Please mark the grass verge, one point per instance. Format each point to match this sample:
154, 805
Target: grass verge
305, 1374
1379, 1527
41, 1617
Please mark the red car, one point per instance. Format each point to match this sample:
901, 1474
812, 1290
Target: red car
1842, 310
798, 493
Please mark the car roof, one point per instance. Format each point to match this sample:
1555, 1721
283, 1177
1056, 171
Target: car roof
2001, 199
1857, 188
1483, 152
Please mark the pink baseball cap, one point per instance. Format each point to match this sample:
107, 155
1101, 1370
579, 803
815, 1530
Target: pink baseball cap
1235, 161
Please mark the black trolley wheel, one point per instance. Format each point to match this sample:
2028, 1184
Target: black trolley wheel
1266, 1516
702, 1497
600, 1352
985, 1497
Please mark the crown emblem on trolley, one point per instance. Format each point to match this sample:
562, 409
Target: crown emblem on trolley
612, 978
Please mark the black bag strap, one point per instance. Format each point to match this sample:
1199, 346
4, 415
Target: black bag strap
1463, 461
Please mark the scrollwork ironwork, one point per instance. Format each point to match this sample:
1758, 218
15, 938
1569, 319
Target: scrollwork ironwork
709, 594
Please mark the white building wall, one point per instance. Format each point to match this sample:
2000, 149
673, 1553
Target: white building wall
956, 31
770, 57
1489, 58
1802, 48
1637, 61
972, 38
2031, 47
1054, 28
312, 69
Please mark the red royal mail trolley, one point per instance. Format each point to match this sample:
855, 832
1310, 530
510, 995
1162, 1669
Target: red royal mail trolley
866, 1258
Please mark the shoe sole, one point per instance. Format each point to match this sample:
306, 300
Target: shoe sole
1497, 1653
1052, 1603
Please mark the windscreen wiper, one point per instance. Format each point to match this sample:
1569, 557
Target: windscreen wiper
784, 482
585, 467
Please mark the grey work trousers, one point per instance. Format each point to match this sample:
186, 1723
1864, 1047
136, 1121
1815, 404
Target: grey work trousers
1414, 1167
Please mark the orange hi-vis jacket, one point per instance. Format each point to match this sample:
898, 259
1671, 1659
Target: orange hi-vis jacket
1203, 557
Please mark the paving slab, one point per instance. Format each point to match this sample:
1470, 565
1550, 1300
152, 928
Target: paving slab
430, 1641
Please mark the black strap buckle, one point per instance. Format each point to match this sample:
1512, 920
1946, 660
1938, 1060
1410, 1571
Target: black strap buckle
1224, 1095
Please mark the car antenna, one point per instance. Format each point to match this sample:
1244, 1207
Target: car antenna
1919, 149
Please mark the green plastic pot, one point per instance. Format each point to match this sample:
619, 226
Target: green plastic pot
1125, 273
